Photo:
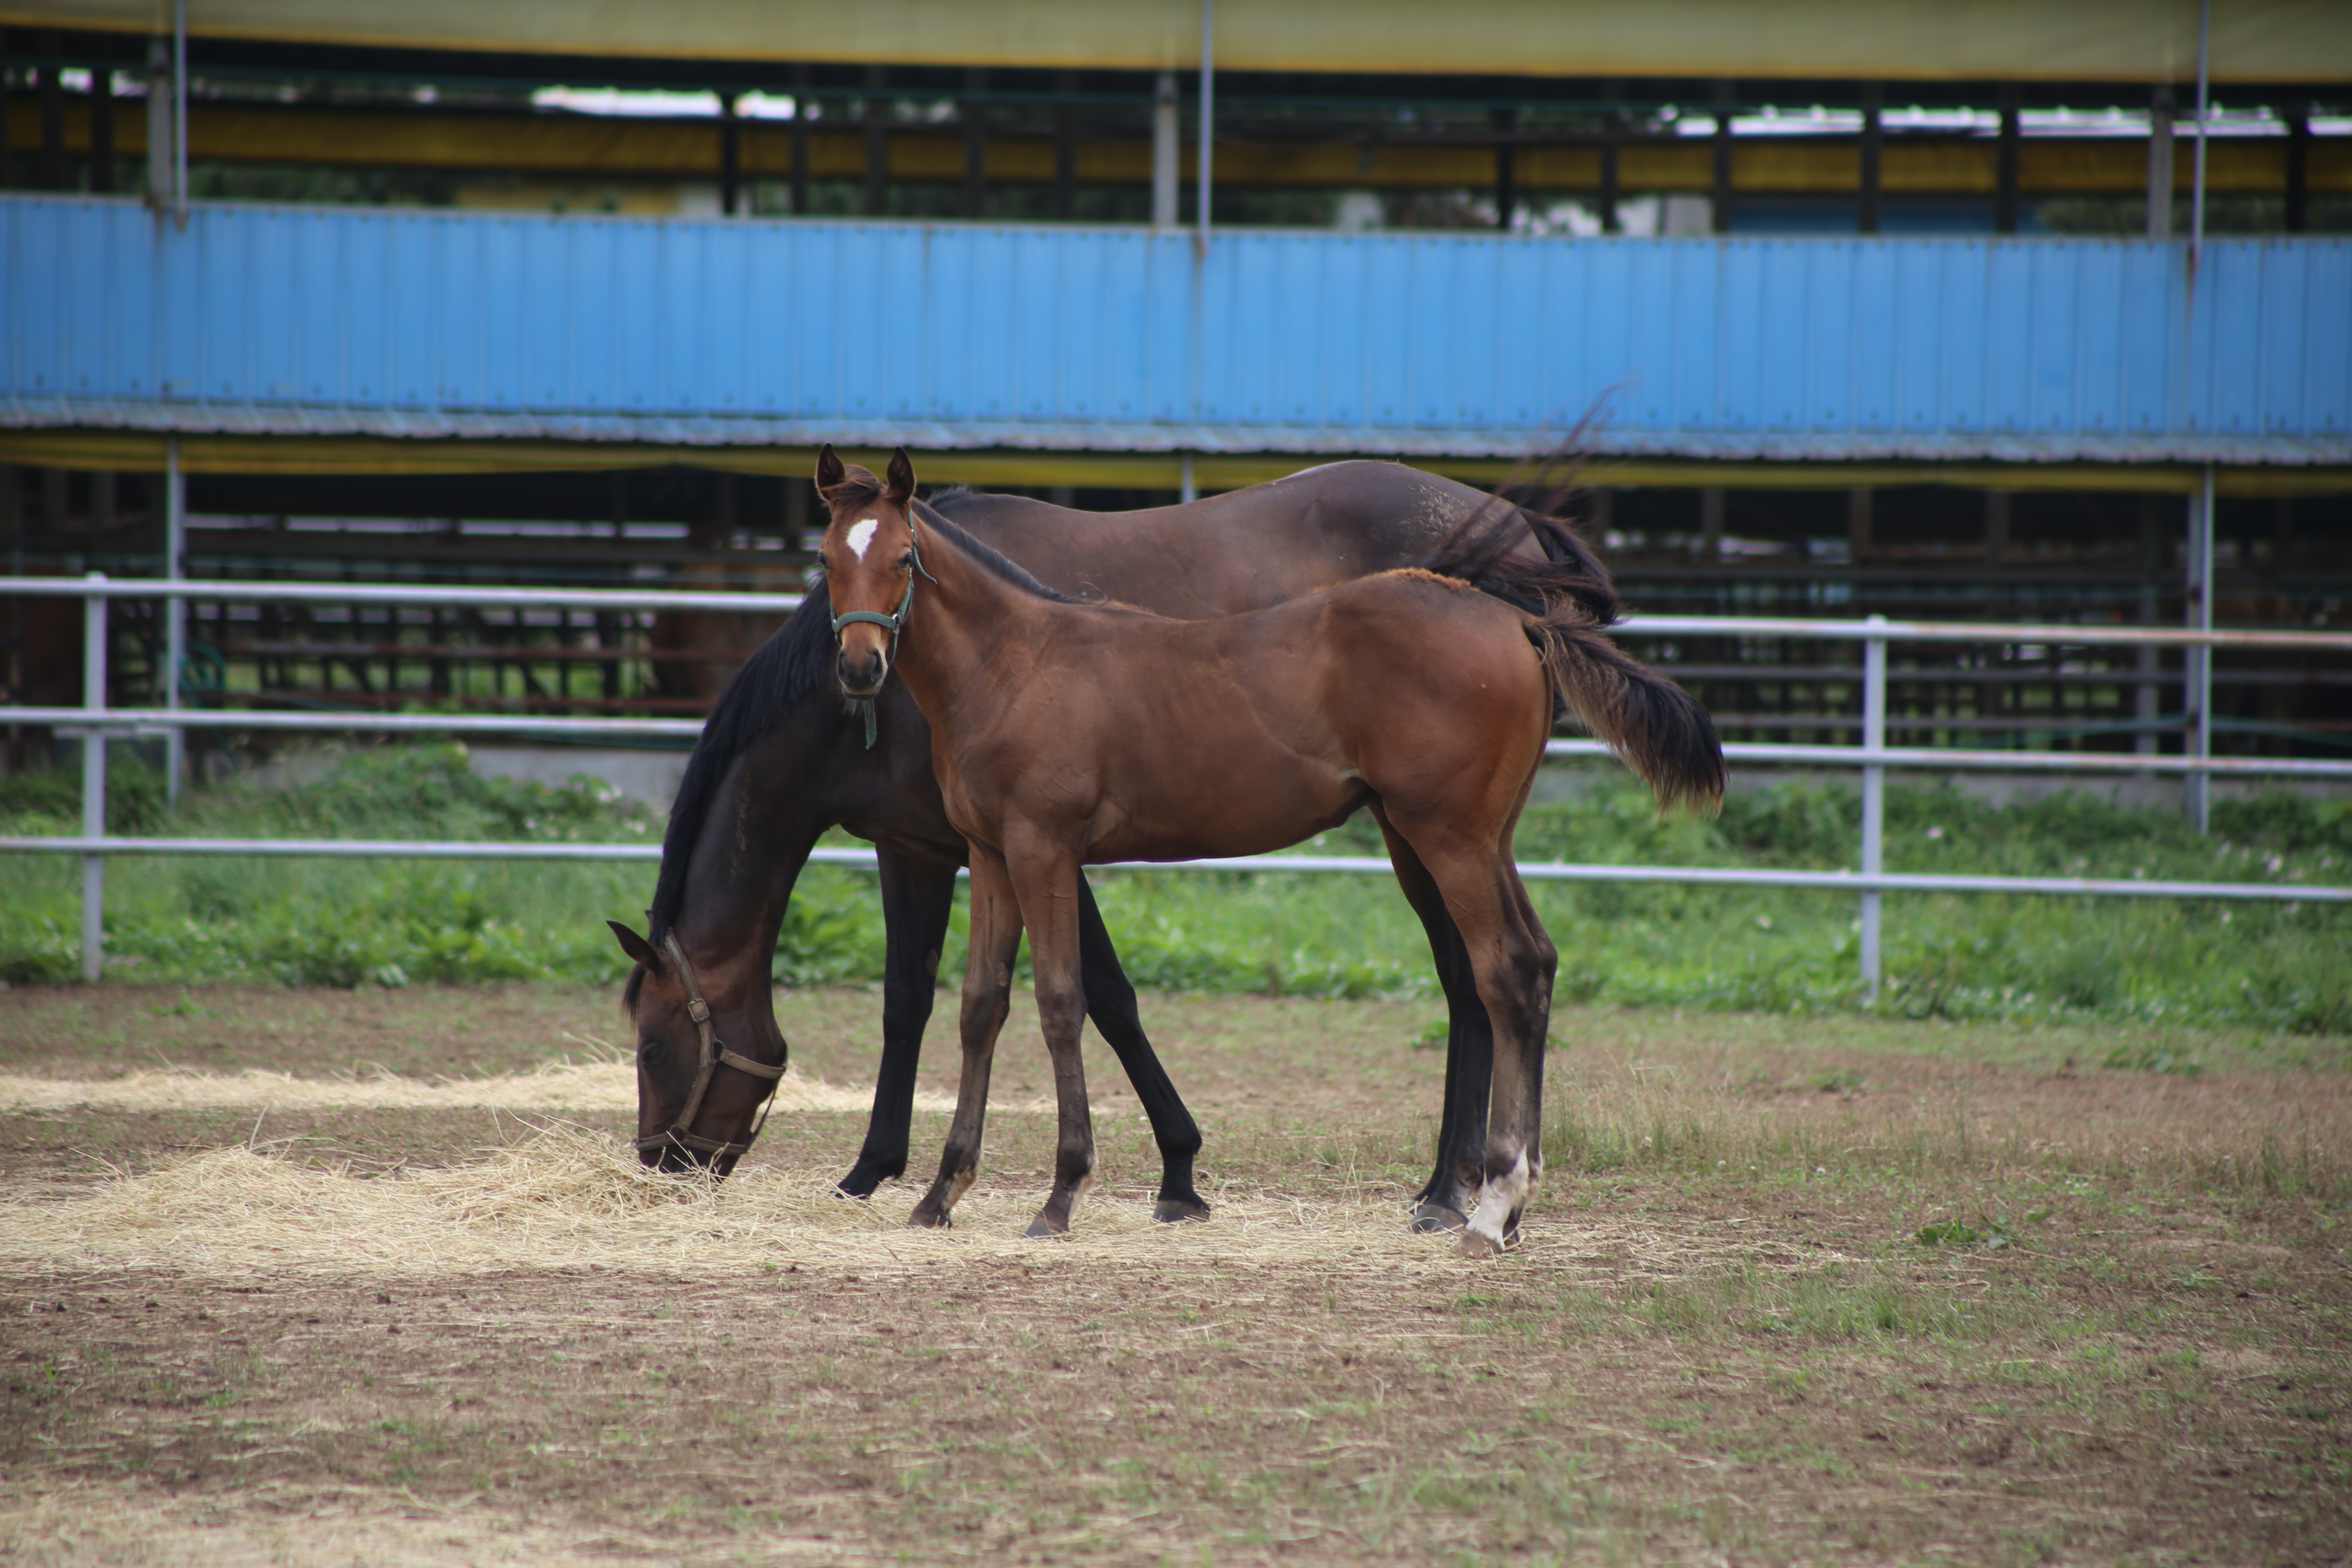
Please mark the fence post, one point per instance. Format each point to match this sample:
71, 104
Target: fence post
1873, 801
2198, 788
175, 615
93, 780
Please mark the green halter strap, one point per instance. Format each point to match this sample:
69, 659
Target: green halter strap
893, 623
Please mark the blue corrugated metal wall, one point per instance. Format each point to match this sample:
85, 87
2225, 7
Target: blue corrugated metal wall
322, 319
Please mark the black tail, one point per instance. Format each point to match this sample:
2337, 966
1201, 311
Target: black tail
1656, 727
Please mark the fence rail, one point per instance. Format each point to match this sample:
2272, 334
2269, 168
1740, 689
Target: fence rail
94, 723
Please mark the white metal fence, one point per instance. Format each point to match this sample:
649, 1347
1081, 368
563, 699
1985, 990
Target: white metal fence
95, 723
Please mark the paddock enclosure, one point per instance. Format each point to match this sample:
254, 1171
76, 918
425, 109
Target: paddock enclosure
406, 420
424, 1306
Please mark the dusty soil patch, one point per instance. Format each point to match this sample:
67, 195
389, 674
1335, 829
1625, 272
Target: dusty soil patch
407, 1334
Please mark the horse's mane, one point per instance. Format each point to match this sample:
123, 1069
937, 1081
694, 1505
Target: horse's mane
786, 670
988, 558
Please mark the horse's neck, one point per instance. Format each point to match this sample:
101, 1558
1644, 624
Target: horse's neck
959, 621
734, 900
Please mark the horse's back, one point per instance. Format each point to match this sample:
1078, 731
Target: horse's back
1230, 553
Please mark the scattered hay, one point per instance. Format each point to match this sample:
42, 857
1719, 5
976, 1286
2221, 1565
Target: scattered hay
129, 1526
568, 1198
557, 1087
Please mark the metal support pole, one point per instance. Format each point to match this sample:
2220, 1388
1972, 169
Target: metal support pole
2160, 164
2197, 183
2004, 185
161, 163
93, 781
1066, 145
730, 156
175, 613
2197, 787
1873, 803
803, 77
1720, 187
1190, 492
975, 142
1208, 116
1165, 167
878, 142
180, 111
1874, 138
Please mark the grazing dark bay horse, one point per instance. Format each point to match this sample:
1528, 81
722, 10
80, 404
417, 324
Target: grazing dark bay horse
780, 762
1066, 733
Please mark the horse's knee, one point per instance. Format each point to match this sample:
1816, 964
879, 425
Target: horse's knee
984, 1015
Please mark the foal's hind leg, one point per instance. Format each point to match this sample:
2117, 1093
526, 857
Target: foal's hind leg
1514, 961
987, 995
1443, 1204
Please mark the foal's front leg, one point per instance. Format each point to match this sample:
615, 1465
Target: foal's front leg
1046, 881
987, 995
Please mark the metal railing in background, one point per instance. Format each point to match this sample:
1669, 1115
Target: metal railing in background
95, 723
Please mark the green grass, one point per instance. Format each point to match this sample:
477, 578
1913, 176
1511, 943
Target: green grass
2275, 967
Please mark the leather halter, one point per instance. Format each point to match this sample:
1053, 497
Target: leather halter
893, 623
714, 1057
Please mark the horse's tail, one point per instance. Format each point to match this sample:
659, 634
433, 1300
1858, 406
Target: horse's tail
1655, 726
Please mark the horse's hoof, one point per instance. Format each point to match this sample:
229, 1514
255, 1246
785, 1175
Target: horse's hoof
864, 1179
1180, 1211
1431, 1219
928, 1219
1477, 1244
1043, 1230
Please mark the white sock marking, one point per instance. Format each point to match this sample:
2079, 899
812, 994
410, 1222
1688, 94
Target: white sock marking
1499, 1198
861, 535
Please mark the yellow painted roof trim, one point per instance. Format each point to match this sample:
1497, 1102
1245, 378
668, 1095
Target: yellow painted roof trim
133, 451
2081, 40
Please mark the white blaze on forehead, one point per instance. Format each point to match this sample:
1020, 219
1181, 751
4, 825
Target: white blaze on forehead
861, 535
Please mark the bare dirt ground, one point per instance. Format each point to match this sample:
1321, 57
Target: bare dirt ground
273, 1320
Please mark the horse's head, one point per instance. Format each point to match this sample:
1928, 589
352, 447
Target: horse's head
869, 565
709, 1057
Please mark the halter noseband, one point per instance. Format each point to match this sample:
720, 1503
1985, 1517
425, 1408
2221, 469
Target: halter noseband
714, 1057
893, 624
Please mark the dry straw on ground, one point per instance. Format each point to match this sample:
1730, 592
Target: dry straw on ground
568, 1198
558, 1086
126, 1526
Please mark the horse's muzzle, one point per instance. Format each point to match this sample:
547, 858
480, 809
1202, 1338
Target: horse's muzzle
861, 672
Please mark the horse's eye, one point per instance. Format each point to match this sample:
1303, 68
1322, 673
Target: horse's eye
907, 561
649, 1052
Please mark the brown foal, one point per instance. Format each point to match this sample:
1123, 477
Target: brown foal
1065, 734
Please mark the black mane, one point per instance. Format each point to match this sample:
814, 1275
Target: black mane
789, 667
988, 557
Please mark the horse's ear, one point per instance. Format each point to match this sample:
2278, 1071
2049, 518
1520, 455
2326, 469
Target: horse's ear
830, 471
901, 478
636, 947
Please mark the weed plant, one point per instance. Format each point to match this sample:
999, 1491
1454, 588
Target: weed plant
2275, 966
